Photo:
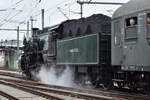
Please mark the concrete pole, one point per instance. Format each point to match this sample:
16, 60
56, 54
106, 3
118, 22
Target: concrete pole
31, 19
18, 41
42, 19
81, 4
27, 30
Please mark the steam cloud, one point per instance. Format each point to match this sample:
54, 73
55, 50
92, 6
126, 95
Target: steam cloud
52, 76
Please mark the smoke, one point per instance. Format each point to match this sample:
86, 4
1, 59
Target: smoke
62, 76
56, 76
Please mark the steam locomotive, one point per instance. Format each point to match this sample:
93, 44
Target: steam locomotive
111, 52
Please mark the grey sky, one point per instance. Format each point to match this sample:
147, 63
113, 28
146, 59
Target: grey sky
21, 10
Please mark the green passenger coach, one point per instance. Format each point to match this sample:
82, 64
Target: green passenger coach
130, 44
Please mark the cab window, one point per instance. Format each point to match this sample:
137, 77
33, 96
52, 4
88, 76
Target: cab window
131, 28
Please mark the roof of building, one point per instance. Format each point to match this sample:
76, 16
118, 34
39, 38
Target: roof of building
131, 7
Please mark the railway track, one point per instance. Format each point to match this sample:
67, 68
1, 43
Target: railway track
18, 82
12, 73
51, 93
7, 96
71, 92
35, 92
8, 69
65, 93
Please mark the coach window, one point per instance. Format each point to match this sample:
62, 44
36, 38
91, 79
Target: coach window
117, 32
131, 28
148, 25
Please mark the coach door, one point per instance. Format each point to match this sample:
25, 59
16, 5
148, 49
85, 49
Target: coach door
130, 40
116, 42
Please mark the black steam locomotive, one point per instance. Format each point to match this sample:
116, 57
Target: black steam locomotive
83, 44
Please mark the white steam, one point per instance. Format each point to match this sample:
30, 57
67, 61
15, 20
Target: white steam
54, 77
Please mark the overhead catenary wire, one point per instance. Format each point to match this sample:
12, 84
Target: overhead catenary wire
14, 21
70, 11
47, 10
18, 2
81, 3
54, 7
12, 9
50, 11
39, 12
6, 20
20, 22
7, 16
11, 18
27, 18
63, 13
5, 29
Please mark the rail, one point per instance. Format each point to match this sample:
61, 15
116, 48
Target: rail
10, 97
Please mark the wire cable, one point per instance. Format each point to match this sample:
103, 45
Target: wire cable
10, 18
12, 9
54, 7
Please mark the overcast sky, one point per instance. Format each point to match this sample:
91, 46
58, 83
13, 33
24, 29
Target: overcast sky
14, 11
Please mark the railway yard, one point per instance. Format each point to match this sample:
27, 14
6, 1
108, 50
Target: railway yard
13, 86
97, 56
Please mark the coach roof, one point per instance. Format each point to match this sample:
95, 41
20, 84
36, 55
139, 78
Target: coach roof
131, 7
